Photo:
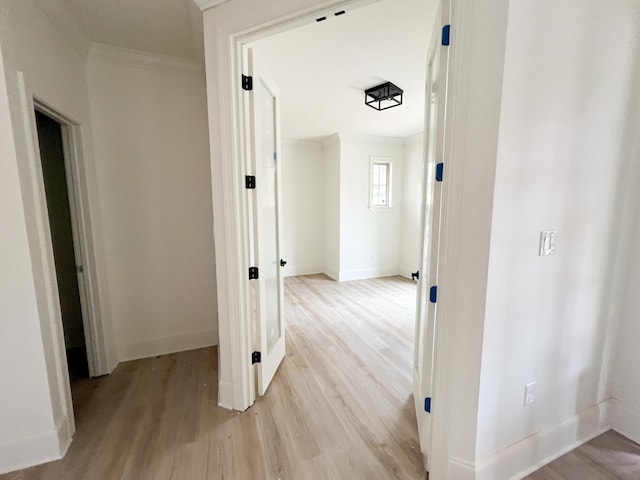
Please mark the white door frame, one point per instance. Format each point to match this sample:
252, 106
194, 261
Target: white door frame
232, 220
42, 251
474, 89
228, 29
71, 147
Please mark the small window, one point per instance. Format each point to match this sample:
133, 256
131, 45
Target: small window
380, 187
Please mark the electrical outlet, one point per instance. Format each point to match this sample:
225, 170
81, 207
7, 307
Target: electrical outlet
547, 243
529, 393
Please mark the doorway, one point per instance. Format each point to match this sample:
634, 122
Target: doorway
60, 212
357, 183
232, 169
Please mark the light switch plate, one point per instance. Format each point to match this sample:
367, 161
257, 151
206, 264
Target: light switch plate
529, 393
547, 243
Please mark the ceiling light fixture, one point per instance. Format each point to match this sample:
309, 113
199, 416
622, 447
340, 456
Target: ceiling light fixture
383, 96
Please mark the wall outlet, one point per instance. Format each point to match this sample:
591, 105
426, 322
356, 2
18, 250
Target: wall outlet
529, 393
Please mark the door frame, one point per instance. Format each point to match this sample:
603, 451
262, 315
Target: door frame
227, 33
232, 223
47, 288
229, 60
476, 62
70, 145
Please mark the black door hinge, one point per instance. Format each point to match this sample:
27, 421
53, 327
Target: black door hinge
415, 275
446, 35
427, 404
247, 82
433, 294
439, 172
256, 358
250, 181
253, 273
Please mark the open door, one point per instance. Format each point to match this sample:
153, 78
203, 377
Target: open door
268, 335
426, 311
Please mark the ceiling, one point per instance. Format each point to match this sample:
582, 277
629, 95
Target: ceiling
322, 70
165, 27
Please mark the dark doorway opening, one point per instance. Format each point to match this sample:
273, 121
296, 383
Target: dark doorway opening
54, 173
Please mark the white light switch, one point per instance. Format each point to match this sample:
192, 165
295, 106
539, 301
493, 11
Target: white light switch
547, 243
529, 393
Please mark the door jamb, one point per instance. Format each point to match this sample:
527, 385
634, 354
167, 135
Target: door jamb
221, 55
229, 108
81, 227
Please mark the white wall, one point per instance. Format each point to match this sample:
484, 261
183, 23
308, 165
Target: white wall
303, 206
332, 200
560, 163
35, 410
328, 225
369, 238
412, 202
151, 151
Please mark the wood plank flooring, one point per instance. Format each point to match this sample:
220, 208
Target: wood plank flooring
340, 406
609, 456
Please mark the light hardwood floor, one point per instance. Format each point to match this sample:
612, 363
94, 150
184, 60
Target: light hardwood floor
609, 456
340, 406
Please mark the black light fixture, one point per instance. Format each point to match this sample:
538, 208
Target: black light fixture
383, 96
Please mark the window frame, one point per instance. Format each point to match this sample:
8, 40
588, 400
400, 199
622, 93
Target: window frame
379, 160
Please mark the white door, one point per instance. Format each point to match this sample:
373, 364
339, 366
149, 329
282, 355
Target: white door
426, 311
267, 221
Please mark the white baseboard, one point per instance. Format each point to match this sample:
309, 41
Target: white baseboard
624, 419
347, 275
295, 270
407, 276
35, 449
166, 345
537, 450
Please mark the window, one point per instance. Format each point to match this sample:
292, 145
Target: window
380, 188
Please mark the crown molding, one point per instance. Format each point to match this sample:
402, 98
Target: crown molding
139, 59
207, 4
416, 138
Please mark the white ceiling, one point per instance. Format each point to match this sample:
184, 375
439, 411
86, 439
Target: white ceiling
164, 27
323, 68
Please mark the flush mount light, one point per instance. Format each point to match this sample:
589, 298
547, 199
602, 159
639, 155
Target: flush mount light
383, 96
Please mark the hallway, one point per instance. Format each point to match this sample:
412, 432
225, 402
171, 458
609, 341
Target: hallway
340, 406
